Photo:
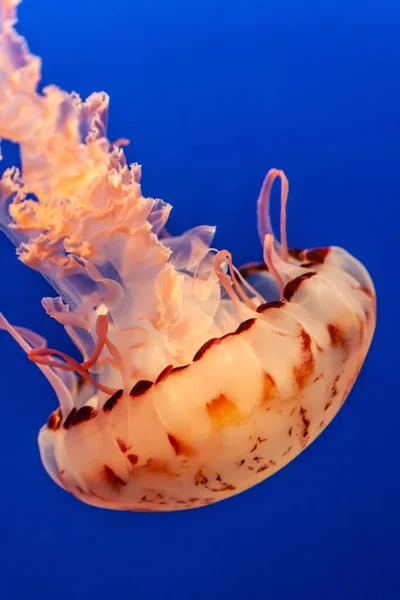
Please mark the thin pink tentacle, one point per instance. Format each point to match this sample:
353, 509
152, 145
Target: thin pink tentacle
264, 225
269, 251
284, 197
224, 278
126, 374
40, 357
231, 281
101, 331
236, 284
63, 394
121, 363
247, 285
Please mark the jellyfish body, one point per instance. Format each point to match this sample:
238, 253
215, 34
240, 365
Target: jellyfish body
198, 380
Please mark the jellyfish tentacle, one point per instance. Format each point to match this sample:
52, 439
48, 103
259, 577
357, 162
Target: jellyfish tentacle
101, 332
64, 396
264, 225
281, 270
230, 282
41, 356
247, 285
269, 256
236, 284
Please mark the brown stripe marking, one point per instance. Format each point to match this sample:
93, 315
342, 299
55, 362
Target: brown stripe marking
297, 253
181, 368
133, 458
54, 420
140, 388
70, 417
269, 388
200, 478
251, 268
361, 326
112, 478
317, 255
306, 422
122, 445
337, 337
292, 287
275, 304
225, 487
263, 468
112, 401
350, 384
245, 326
306, 368
367, 292
180, 448
169, 370
85, 413
200, 353
164, 374
333, 393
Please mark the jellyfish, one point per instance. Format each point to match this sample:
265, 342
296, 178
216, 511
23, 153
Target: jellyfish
197, 379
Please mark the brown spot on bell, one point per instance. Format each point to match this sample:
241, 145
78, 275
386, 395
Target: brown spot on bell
180, 448
303, 371
269, 388
112, 478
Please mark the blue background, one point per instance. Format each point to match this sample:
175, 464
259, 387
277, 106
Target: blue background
212, 94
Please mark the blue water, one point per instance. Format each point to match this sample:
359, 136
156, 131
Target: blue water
212, 94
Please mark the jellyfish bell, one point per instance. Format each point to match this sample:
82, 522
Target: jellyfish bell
198, 380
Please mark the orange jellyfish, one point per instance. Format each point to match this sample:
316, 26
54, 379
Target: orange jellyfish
198, 380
